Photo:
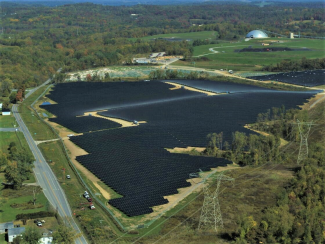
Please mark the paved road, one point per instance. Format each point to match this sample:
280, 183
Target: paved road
9, 129
46, 178
34, 89
43, 84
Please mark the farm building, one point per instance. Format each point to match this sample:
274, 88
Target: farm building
142, 60
256, 34
6, 111
6, 226
14, 232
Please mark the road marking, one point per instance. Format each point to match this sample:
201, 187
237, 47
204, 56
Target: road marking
35, 152
62, 207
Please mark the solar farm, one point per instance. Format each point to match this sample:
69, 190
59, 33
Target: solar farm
133, 161
308, 78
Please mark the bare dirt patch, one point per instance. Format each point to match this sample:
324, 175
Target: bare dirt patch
283, 142
308, 105
178, 86
185, 150
77, 151
122, 122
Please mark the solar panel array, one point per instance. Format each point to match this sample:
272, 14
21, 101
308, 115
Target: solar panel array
133, 160
134, 163
75, 99
190, 120
219, 86
308, 78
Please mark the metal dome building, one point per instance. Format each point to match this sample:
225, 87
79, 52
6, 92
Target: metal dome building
256, 34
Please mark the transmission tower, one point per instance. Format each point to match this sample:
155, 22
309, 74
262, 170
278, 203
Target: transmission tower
304, 129
211, 213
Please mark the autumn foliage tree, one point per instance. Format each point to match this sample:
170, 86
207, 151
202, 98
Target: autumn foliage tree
88, 77
19, 95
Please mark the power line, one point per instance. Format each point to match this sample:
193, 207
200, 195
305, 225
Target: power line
219, 194
211, 213
287, 146
303, 150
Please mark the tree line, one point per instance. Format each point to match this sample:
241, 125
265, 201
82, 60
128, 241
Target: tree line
38, 40
296, 65
17, 165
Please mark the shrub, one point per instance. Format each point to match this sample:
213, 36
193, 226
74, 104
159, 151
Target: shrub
36, 215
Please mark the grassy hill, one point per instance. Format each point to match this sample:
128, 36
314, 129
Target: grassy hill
224, 56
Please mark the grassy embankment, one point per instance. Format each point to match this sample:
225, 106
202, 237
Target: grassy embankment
37, 128
227, 58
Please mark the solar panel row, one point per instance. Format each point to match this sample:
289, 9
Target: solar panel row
133, 160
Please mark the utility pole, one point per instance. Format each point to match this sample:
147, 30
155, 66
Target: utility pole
304, 129
211, 214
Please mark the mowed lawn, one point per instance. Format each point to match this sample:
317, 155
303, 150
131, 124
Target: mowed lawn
16, 137
39, 130
228, 58
7, 121
21, 196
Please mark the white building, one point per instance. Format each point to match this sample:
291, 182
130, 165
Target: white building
256, 34
6, 112
14, 232
46, 240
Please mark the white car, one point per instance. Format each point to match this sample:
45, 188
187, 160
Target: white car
68, 177
39, 224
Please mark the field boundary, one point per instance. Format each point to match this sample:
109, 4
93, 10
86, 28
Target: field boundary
119, 224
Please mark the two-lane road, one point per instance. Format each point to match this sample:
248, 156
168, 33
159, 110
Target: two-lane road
47, 180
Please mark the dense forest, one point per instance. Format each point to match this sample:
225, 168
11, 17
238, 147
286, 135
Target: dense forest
38, 40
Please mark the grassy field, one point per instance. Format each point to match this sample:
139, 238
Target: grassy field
7, 121
21, 196
37, 128
3, 239
185, 36
51, 223
17, 137
227, 58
